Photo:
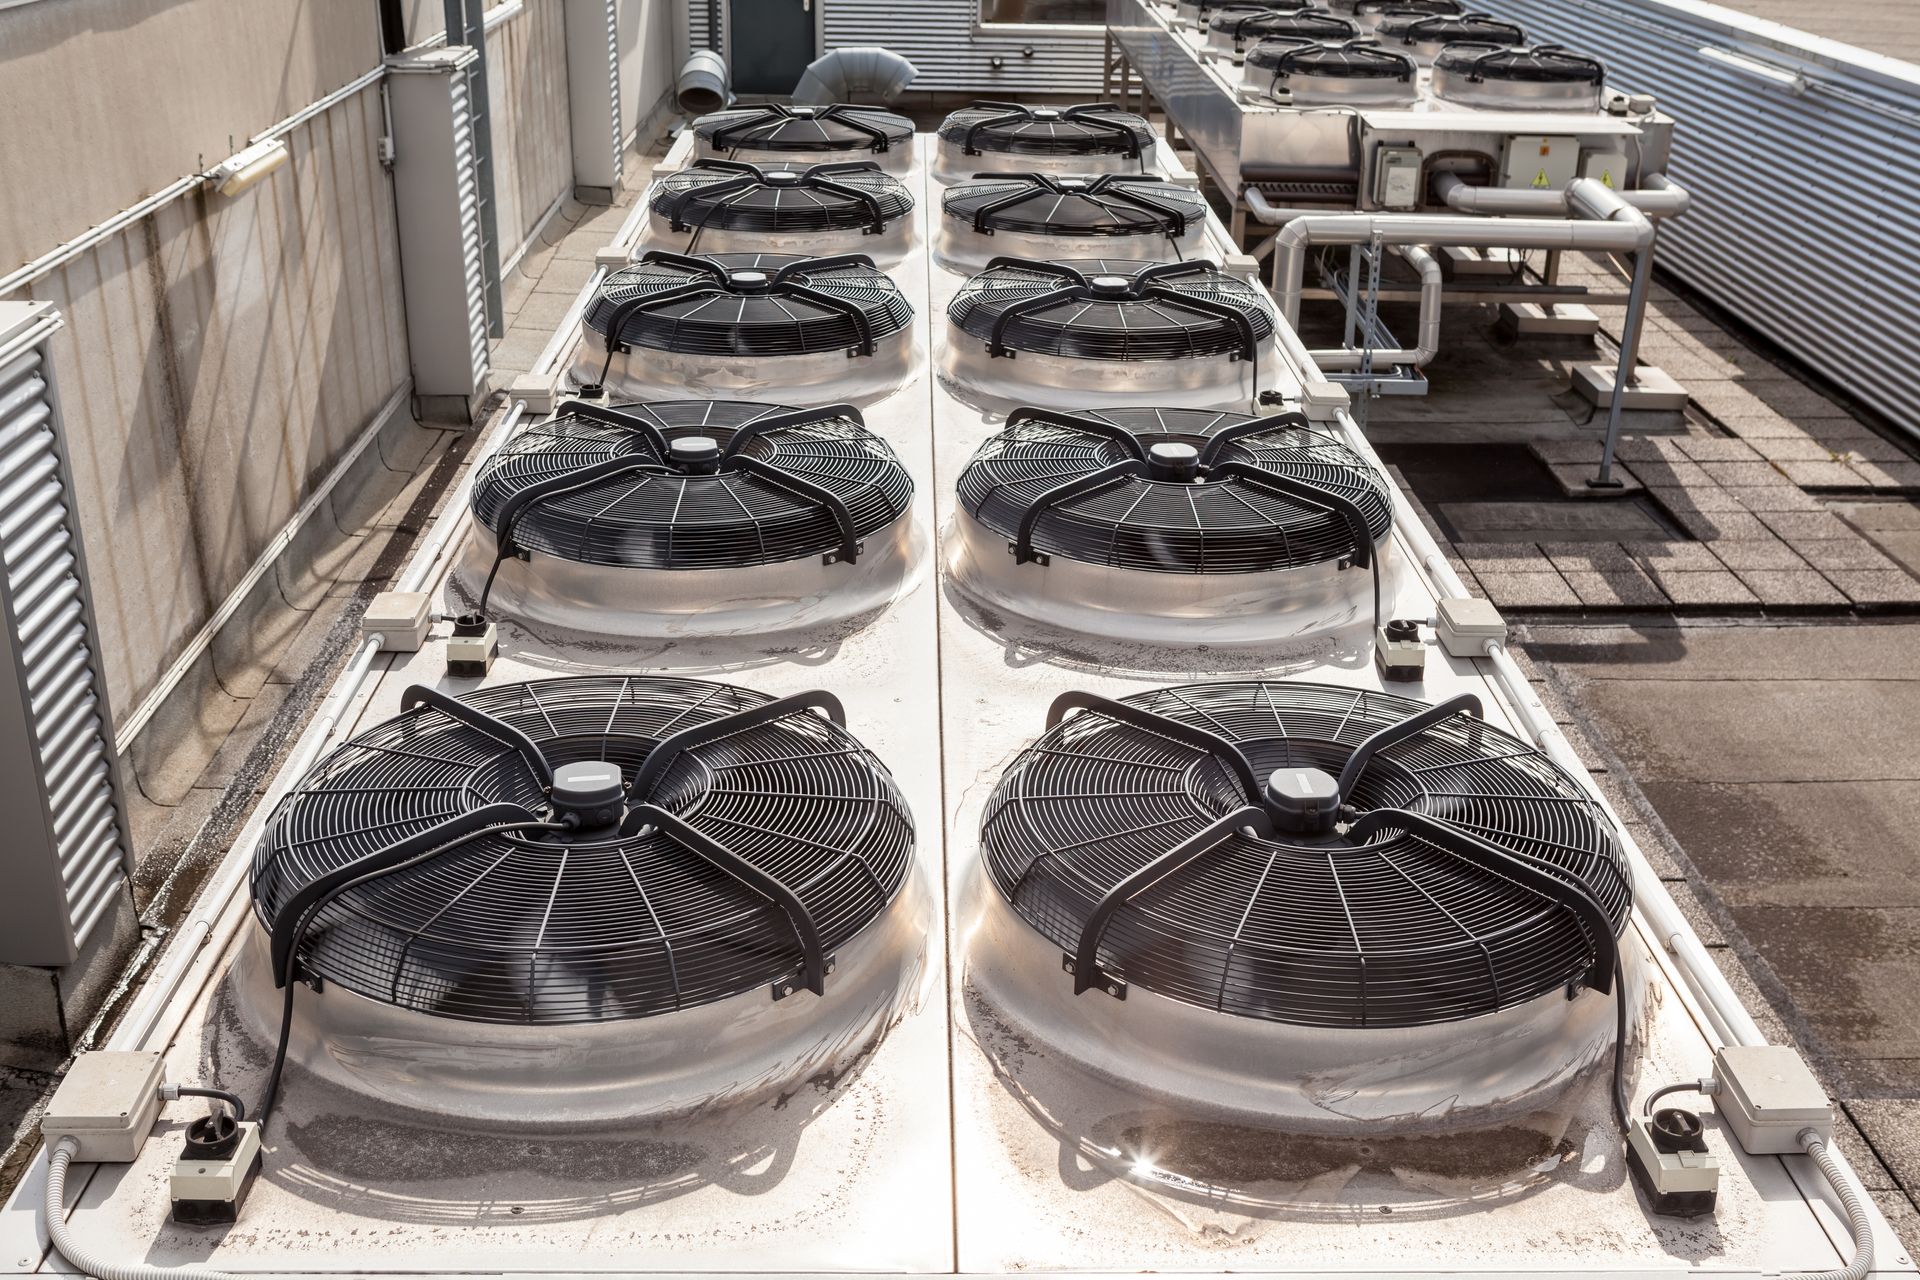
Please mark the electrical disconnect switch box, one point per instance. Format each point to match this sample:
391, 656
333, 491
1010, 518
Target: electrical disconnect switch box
1540, 163
1609, 168
1396, 177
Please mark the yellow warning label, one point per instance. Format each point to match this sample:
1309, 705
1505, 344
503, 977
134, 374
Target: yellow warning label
1606, 178
1540, 180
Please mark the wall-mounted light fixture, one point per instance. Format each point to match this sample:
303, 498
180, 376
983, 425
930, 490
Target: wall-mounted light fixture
245, 168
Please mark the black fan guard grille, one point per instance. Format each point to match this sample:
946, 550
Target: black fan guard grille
1363, 59
713, 317
512, 929
1106, 205
1137, 522
1173, 311
1305, 24
774, 128
1311, 931
729, 196
1011, 128
1450, 28
1540, 64
662, 518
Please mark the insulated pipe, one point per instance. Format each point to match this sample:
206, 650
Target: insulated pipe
1432, 286
1658, 197
852, 72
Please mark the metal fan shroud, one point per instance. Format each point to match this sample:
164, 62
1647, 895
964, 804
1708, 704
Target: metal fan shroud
1542, 77
1011, 137
1350, 73
1215, 556
550, 928
1111, 216
655, 547
1279, 971
1069, 333
723, 206
803, 135
727, 324
1233, 33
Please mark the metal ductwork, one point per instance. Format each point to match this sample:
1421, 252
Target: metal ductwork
703, 86
857, 73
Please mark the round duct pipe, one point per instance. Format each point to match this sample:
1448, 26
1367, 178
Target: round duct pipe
857, 73
702, 87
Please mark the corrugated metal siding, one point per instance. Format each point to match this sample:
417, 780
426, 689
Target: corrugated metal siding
532, 138
954, 53
1803, 221
54, 651
222, 353
473, 247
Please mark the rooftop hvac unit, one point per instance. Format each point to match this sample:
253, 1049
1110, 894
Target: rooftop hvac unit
67, 849
443, 243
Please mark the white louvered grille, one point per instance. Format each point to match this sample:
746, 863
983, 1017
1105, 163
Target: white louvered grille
472, 232
55, 656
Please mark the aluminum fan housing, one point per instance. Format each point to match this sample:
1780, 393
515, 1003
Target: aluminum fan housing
780, 135
1111, 216
751, 899
1542, 77
1010, 137
727, 324
725, 206
692, 517
1442, 956
1070, 333
1171, 525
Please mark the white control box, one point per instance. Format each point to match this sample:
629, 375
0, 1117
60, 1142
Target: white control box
1536, 162
1608, 168
1768, 1096
1396, 177
107, 1102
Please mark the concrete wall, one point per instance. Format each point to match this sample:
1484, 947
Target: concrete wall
649, 59
532, 139
107, 101
219, 356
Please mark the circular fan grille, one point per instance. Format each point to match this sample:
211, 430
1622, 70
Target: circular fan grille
1351, 60
775, 128
1422, 28
1379, 8
525, 927
1246, 28
1223, 525
740, 197
664, 518
1103, 310
750, 304
1392, 930
1091, 129
1541, 64
1107, 205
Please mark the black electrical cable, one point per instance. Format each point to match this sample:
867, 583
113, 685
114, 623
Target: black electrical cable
306, 921
1619, 1090
1685, 1086
233, 1102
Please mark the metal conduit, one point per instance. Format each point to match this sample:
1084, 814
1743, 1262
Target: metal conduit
1601, 222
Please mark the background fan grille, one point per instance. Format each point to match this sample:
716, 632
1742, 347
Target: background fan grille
722, 321
778, 207
1054, 135
771, 130
520, 930
1223, 526
1097, 328
1312, 931
1072, 212
672, 521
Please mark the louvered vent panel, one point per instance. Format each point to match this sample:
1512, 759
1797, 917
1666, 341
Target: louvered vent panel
472, 231
72, 848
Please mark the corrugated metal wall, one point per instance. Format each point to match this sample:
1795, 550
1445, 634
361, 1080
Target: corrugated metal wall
219, 355
955, 53
527, 99
1804, 223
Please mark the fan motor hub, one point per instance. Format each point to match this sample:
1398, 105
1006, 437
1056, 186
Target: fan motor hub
1303, 800
1110, 286
696, 455
781, 178
750, 281
1045, 113
591, 791
1173, 460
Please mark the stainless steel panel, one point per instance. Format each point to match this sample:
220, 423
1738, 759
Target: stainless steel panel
1803, 222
